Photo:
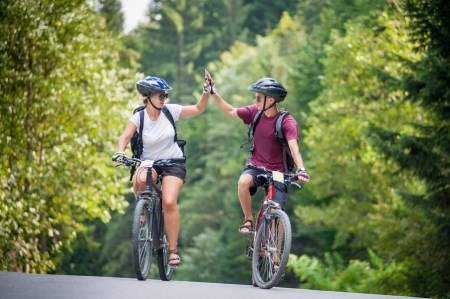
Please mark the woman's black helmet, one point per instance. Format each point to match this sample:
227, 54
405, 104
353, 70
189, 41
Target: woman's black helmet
269, 87
152, 84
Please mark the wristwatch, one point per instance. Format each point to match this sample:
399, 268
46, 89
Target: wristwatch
302, 169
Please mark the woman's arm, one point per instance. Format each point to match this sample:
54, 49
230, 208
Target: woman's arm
193, 110
125, 138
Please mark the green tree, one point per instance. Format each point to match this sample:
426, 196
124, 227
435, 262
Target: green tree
426, 151
111, 10
56, 88
360, 194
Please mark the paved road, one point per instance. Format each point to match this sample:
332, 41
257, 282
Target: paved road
40, 286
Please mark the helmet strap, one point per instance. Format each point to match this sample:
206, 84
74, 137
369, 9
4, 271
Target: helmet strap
264, 106
153, 105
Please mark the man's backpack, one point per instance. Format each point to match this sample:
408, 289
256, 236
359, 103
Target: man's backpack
137, 144
288, 160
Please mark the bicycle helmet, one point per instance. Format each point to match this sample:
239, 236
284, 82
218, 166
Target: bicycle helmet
152, 84
269, 87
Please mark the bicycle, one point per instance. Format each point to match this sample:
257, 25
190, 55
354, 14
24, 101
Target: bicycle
148, 234
270, 242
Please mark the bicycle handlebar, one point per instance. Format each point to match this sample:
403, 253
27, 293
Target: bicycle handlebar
289, 178
128, 162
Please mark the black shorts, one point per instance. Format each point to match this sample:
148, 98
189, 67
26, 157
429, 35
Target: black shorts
178, 170
281, 189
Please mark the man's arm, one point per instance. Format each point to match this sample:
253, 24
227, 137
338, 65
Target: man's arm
295, 150
226, 108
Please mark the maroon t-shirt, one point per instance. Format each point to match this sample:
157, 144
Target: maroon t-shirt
268, 151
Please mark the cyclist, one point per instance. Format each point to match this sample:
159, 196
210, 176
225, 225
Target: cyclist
158, 140
267, 150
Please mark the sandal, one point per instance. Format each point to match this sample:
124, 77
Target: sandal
175, 260
276, 264
247, 225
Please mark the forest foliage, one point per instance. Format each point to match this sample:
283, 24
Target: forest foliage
368, 85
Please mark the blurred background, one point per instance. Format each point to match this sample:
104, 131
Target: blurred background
368, 84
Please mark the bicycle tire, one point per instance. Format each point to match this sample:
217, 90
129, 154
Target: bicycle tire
165, 271
267, 249
142, 245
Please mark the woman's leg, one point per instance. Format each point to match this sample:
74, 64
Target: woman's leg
171, 187
140, 178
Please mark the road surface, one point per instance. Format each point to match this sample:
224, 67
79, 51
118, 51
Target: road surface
46, 286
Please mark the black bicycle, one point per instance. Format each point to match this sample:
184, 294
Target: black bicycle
270, 243
148, 235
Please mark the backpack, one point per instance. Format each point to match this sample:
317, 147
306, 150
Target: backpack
136, 142
288, 160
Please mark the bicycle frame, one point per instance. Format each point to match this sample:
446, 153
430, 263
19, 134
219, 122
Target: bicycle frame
153, 195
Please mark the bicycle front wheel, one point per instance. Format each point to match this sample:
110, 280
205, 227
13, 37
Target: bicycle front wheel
271, 250
165, 271
142, 245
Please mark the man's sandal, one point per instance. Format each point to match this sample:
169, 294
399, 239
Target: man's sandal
248, 226
175, 260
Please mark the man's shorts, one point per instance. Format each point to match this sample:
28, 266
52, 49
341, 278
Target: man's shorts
281, 189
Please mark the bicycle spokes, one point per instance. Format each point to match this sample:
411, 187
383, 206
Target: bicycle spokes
271, 251
142, 240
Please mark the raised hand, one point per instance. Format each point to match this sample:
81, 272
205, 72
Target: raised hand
212, 85
207, 84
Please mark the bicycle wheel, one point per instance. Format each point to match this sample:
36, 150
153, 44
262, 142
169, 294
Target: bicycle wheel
142, 246
271, 250
165, 271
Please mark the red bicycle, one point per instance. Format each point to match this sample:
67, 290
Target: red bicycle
270, 244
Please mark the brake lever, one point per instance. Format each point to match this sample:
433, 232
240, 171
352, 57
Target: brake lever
297, 185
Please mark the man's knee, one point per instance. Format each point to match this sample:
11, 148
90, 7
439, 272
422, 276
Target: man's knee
245, 182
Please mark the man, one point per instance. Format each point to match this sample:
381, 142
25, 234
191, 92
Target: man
267, 150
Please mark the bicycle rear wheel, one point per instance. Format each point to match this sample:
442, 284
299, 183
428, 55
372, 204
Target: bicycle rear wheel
271, 250
142, 246
165, 271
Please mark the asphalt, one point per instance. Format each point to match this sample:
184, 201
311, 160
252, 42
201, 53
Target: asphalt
37, 286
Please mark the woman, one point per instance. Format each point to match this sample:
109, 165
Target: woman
158, 139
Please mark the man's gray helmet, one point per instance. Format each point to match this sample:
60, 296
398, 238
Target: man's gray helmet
269, 87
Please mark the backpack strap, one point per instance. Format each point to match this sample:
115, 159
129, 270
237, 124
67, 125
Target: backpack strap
181, 143
281, 138
169, 116
141, 125
279, 126
252, 127
141, 111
